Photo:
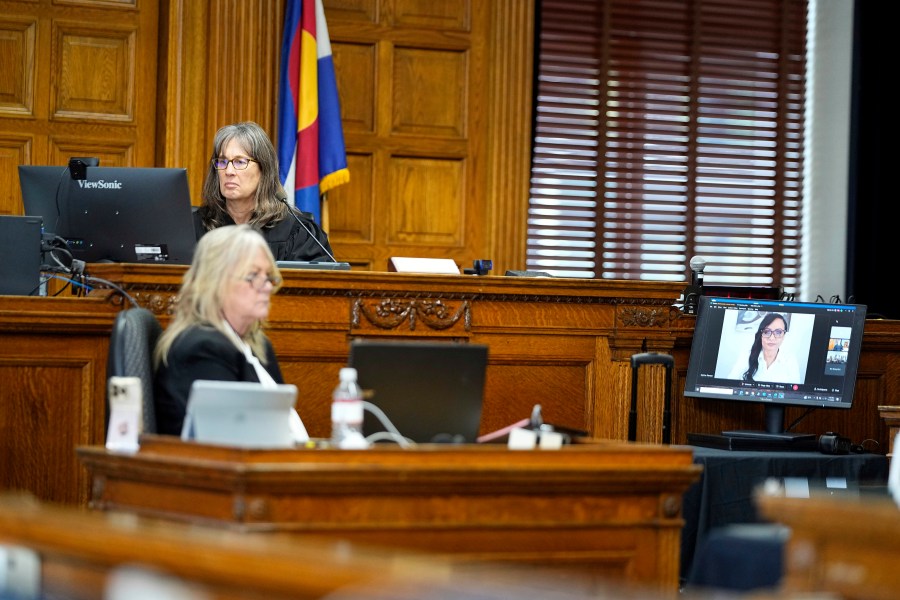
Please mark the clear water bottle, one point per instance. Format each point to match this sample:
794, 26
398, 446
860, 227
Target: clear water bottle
347, 412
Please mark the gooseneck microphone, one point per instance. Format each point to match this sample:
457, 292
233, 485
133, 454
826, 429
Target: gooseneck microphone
308, 231
693, 292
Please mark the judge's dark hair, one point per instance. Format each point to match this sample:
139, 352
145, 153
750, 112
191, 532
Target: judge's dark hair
269, 209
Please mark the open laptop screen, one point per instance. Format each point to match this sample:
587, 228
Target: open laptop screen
430, 391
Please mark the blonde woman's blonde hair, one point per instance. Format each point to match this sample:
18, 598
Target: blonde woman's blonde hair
221, 255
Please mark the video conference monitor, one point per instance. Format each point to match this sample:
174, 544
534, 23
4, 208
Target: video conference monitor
777, 354
115, 214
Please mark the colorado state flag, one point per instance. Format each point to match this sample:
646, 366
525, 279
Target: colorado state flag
311, 154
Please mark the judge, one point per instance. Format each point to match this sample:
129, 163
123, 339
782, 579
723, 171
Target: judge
242, 186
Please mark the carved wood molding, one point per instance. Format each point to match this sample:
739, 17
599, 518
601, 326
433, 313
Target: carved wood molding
158, 299
391, 313
661, 305
647, 316
671, 506
159, 303
433, 309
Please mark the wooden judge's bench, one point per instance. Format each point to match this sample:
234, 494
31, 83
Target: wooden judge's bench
562, 343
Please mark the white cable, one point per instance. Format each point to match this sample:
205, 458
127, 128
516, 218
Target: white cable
391, 434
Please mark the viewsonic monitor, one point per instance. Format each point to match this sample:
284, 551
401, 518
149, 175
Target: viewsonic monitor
115, 214
819, 346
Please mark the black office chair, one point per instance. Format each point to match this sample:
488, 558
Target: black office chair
131, 345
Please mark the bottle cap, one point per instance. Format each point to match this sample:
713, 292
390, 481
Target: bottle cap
348, 374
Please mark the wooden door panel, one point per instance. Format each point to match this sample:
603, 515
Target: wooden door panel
84, 84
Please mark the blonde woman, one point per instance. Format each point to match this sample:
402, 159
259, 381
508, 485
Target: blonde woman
217, 330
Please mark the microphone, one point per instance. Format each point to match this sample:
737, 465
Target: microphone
693, 292
308, 231
698, 263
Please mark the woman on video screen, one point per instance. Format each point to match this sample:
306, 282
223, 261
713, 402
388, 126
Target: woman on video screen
767, 362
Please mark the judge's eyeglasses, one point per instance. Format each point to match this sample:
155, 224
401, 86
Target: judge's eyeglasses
240, 163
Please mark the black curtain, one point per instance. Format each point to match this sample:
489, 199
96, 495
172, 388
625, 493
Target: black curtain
873, 230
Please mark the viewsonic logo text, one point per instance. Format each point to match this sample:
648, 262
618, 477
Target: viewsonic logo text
100, 185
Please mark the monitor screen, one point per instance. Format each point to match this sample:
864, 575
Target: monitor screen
775, 353
115, 214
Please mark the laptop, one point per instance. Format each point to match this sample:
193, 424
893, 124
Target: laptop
432, 392
20, 248
240, 413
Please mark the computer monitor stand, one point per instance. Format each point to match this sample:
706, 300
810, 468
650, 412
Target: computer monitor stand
756, 440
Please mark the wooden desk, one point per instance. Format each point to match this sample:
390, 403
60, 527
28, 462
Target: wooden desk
842, 546
565, 344
609, 510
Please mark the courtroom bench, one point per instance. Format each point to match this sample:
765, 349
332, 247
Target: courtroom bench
78, 549
845, 547
80, 553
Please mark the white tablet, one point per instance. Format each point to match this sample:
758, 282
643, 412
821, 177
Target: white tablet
239, 413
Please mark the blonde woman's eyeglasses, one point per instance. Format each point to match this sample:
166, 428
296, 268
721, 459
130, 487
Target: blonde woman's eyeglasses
258, 280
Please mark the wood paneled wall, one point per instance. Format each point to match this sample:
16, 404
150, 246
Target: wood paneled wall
76, 79
435, 98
